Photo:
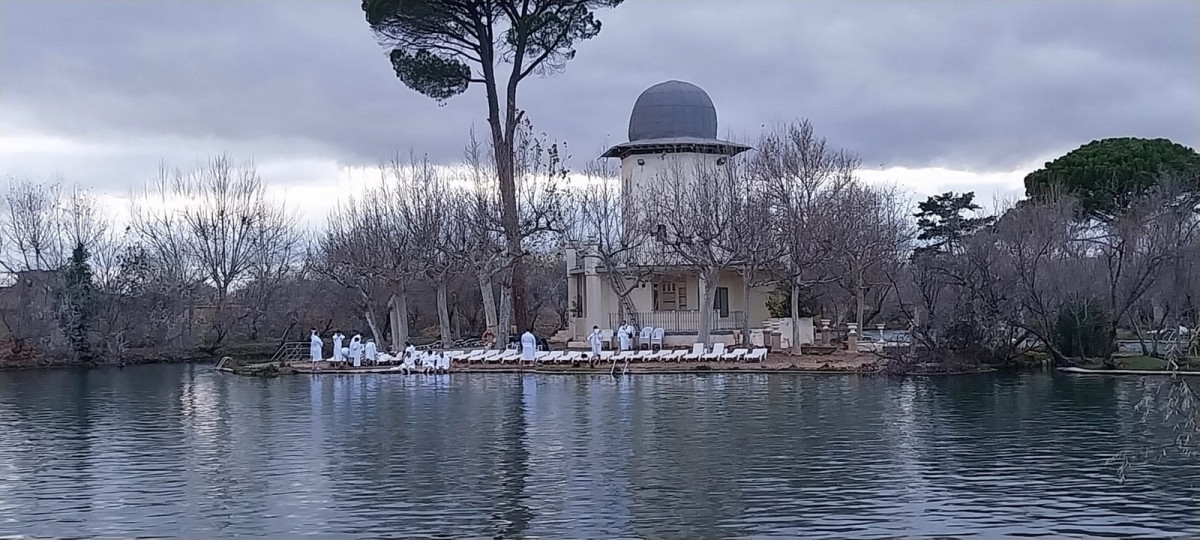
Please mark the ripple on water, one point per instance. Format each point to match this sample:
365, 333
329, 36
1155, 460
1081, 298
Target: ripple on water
168, 450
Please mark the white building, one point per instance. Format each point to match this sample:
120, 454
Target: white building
673, 128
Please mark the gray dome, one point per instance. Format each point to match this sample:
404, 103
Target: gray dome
673, 109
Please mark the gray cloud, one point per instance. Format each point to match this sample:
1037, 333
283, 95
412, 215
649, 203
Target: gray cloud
965, 85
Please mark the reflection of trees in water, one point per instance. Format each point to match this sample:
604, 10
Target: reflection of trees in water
512, 516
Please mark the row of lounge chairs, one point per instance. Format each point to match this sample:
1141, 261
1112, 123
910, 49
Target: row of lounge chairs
698, 352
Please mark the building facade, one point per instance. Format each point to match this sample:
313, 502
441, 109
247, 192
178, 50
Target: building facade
672, 131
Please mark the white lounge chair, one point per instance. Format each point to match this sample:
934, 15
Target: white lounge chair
645, 336
453, 355
653, 356
552, 357
736, 354
606, 355
718, 351
697, 352
570, 356
626, 356
491, 356
657, 338
756, 355
509, 356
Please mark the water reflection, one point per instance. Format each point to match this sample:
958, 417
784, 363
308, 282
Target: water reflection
167, 450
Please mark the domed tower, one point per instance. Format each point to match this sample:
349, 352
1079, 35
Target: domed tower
673, 126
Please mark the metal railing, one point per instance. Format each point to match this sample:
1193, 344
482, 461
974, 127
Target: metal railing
682, 320
293, 350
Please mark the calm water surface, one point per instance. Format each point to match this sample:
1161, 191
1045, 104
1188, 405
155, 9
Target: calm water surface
182, 450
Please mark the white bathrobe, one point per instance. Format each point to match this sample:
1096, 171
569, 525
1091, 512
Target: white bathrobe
625, 337
337, 347
528, 347
594, 341
372, 351
314, 347
356, 350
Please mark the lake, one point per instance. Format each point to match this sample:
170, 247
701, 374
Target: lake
185, 451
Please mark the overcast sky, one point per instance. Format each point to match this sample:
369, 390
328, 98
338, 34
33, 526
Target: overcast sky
934, 95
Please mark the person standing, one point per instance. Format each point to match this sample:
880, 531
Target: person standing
314, 347
528, 346
356, 350
625, 336
337, 346
595, 342
372, 352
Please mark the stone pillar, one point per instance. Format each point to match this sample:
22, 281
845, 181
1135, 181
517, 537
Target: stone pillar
852, 337
825, 331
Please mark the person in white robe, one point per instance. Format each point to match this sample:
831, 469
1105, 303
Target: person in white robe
372, 352
337, 346
356, 350
528, 346
314, 347
595, 341
625, 336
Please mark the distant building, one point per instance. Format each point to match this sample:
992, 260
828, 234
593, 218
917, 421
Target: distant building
673, 128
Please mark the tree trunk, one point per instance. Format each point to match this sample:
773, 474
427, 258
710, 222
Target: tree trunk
398, 306
487, 292
746, 309
505, 317
860, 298
796, 316
708, 284
443, 314
374, 326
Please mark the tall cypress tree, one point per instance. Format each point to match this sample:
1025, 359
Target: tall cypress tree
78, 304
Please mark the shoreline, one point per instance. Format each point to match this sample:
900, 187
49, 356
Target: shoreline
822, 364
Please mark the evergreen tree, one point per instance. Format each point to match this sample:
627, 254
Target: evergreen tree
78, 304
943, 224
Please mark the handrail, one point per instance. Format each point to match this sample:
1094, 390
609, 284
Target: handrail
289, 351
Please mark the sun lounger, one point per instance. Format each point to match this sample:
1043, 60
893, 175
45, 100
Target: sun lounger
697, 352
718, 351
570, 356
553, 357
672, 355
757, 355
652, 356
736, 354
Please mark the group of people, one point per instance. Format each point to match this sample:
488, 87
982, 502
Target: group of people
624, 334
356, 353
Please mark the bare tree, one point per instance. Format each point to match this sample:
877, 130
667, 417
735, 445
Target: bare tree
31, 227
423, 204
694, 210
607, 229
875, 232
804, 178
